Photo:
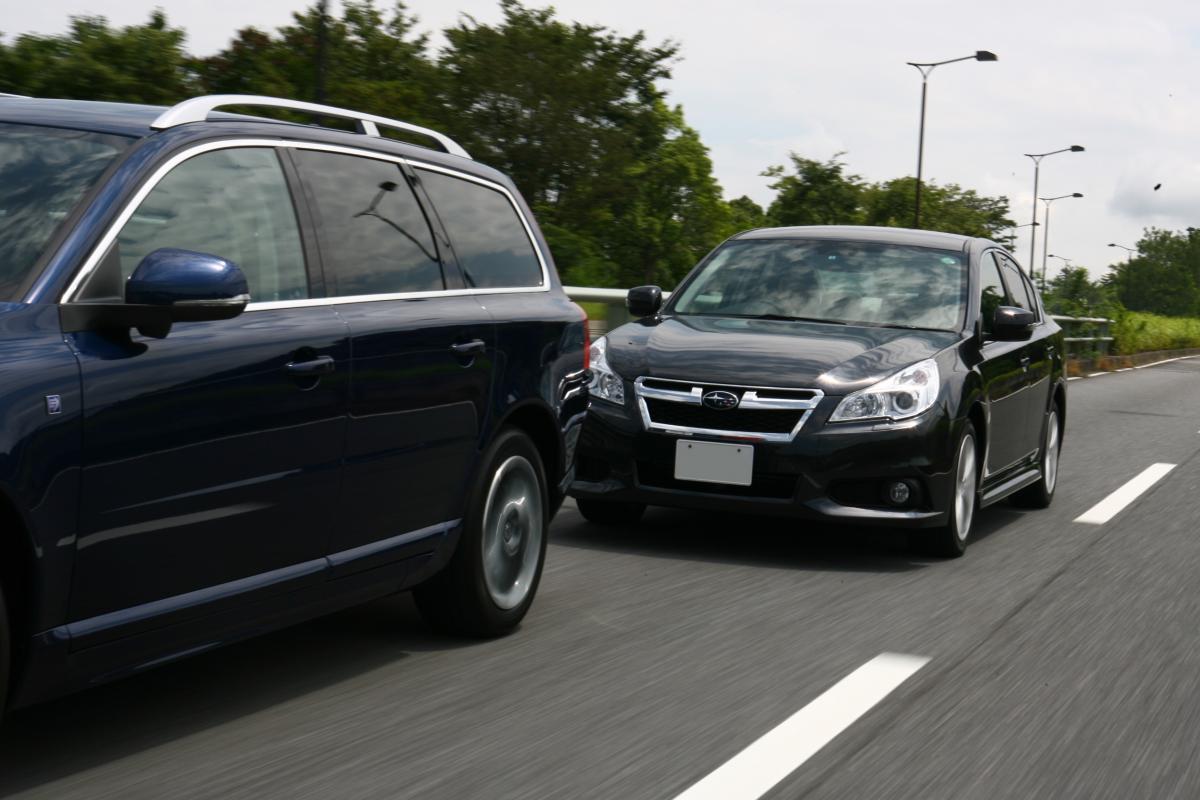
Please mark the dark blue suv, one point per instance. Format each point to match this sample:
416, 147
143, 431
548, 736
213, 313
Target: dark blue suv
253, 371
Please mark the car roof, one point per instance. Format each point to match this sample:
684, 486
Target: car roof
128, 119
864, 233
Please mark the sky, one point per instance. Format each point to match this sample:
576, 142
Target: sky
762, 78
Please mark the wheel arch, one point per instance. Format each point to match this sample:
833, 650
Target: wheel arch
16, 577
537, 421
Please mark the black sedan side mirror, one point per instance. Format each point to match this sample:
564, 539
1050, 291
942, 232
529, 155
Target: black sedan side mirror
1012, 324
644, 301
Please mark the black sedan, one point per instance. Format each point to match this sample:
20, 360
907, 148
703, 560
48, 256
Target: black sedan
874, 375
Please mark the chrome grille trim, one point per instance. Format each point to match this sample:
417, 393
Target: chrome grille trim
691, 392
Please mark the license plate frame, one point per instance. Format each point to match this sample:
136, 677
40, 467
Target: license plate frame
728, 464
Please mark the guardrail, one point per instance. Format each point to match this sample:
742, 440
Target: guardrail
1087, 337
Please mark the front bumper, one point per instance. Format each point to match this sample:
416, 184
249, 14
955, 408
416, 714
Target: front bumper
826, 472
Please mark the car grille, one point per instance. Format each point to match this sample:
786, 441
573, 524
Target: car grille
764, 413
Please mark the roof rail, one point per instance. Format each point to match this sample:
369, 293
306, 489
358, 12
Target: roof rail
198, 108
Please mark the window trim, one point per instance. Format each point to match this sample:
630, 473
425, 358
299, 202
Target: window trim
81, 276
1030, 290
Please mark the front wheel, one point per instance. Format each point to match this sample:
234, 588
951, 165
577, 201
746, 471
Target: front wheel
1041, 494
950, 540
491, 579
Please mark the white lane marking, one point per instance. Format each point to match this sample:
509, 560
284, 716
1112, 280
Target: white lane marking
1112, 505
1165, 361
751, 773
1077, 378
1098, 374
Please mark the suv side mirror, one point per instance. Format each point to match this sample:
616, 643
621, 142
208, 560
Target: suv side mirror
1012, 324
168, 286
644, 301
197, 286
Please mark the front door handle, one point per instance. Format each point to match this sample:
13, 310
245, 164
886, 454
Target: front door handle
1025, 363
317, 366
471, 348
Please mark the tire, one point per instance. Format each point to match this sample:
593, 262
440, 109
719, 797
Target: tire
610, 512
1041, 494
950, 540
489, 583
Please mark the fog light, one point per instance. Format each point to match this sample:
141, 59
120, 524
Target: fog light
899, 493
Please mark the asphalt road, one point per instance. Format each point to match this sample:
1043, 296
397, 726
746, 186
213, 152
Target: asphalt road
1063, 660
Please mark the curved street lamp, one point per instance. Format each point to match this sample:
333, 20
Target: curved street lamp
926, 69
1129, 251
1046, 230
1066, 261
1037, 165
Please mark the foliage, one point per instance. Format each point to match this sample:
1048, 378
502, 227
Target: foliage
822, 193
92, 61
1164, 278
1137, 332
1073, 293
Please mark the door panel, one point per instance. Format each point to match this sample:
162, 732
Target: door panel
1004, 376
205, 460
416, 411
1033, 358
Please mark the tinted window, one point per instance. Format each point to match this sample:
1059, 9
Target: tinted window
992, 294
374, 236
1018, 289
864, 283
43, 174
229, 203
492, 246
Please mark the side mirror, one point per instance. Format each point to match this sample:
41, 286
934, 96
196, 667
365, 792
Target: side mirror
197, 286
643, 301
168, 286
1012, 324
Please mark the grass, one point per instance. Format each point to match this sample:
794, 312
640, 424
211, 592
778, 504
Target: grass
1139, 332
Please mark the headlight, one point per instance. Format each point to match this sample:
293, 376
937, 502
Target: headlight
606, 384
906, 394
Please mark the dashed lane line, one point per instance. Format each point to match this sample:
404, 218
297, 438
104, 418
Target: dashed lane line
1112, 505
779, 752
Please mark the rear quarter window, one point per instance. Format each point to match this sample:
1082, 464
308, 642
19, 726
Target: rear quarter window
489, 238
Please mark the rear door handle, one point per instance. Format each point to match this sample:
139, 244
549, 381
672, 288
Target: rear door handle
471, 348
317, 366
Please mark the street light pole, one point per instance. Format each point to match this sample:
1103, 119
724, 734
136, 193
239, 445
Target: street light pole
925, 70
1129, 251
1046, 231
1037, 166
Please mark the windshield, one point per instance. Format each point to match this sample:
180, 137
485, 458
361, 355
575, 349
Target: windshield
43, 173
860, 283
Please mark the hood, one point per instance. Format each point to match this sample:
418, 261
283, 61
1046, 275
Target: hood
836, 359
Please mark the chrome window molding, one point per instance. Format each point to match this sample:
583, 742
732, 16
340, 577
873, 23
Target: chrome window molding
750, 401
110, 235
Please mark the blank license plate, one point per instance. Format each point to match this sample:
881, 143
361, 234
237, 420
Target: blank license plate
714, 462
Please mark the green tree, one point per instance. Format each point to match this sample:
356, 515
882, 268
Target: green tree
93, 61
1164, 278
747, 214
1072, 292
815, 193
947, 207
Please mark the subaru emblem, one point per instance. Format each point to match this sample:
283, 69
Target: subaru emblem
720, 400
53, 404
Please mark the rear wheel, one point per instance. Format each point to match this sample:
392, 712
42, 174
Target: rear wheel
610, 512
491, 579
950, 540
1041, 494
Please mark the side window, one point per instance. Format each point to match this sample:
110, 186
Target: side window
374, 235
489, 238
230, 203
1018, 286
992, 294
